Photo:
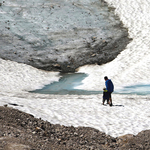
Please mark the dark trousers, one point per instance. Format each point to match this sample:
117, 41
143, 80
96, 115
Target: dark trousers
106, 96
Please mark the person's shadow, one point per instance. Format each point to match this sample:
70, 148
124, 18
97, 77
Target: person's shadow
114, 105
118, 105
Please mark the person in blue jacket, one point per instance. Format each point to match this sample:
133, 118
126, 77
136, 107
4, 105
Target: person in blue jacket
109, 87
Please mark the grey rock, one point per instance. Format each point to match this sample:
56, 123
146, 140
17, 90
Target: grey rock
60, 35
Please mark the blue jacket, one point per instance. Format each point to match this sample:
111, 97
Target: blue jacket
109, 85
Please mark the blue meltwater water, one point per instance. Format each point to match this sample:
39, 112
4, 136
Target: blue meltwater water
67, 85
135, 89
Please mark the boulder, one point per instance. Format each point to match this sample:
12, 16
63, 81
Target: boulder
60, 35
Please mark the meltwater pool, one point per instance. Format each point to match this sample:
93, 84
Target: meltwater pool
69, 81
67, 85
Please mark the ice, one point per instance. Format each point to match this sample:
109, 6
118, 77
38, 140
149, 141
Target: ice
129, 115
17, 77
132, 65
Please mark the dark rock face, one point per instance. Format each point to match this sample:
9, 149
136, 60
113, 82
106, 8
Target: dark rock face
60, 35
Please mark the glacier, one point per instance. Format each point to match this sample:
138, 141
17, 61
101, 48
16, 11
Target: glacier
60, 35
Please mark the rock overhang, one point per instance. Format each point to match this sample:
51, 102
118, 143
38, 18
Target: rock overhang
60, 35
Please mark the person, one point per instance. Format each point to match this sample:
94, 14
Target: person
105, 96
109, 87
